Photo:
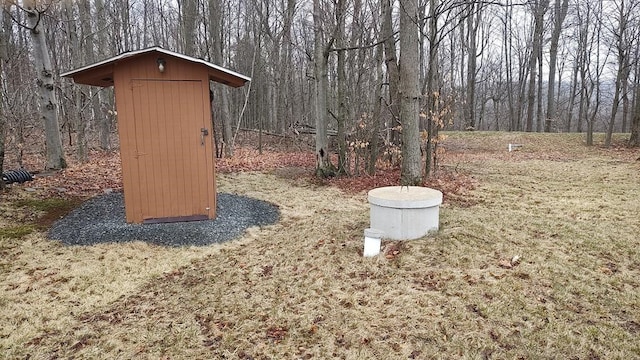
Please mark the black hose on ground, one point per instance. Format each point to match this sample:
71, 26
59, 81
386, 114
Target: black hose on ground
16, 176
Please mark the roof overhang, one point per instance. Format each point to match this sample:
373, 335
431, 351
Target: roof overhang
101, 73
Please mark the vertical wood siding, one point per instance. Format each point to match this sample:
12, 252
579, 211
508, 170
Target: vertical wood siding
167, 171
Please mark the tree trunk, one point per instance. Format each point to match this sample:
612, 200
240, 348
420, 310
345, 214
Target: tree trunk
513, 122
341, 80
3, 131
614, 105
87, 44
634, 140
598, 72
582, 69
284, 79
540, 8
48, 103
625, 97
432, 94
596, 83
539, 114
188, 20
572, 95
592, 118
520, 101
76, 117
104, 120
220, 93
324, 168
374, 139
531, 97
125, 21
582, 111
560, 13
391, 62
622, 74
409, 94
472, 32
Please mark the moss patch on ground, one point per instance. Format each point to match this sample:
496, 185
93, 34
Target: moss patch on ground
43, 212
16, 231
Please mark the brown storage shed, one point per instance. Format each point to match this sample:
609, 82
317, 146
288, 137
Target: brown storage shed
165, 129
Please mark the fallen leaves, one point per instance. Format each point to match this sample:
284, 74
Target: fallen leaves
248, 159
453, 185
509, 264
609, 268
267, 270
277, 333
102, 172
393, 249
432, 281
474, 308
470, 279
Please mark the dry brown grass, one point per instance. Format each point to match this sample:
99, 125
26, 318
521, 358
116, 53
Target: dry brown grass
301, 289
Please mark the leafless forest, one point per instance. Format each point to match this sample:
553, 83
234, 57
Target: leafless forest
383, 75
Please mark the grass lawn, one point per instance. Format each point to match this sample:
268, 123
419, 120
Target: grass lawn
540, 260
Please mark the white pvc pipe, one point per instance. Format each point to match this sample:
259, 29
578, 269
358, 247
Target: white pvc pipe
372, 239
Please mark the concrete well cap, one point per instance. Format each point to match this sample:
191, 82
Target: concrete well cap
405, 197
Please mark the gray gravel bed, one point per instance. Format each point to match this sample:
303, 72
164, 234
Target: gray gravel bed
102, 220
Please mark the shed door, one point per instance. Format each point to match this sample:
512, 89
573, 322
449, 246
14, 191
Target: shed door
173, 144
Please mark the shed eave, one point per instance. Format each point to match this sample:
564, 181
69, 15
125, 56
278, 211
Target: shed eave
239, 79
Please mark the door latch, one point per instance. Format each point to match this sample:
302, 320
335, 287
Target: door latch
203, 132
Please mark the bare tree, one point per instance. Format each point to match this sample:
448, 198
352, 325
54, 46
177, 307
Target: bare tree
591, 74
341, 80
104, 120
622, 44
391, 63
507, 41
46, 86
285, 77
561, 8
374, 138
76, 117
222, 110
3, 123
188, 21
574, 88
322, 45
474, 19
121, 9
539, 9
410, 93
634, 139
432, 94
88, 42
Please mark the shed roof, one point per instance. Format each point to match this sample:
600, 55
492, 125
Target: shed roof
101, 73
